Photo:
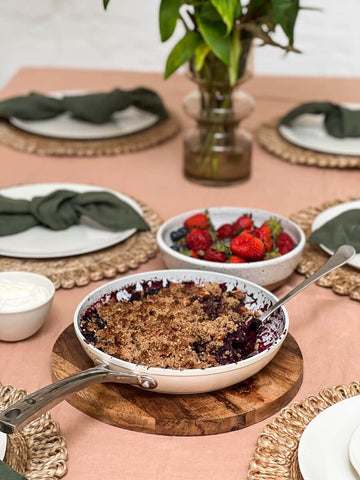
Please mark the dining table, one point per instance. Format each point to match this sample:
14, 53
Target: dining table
325, 325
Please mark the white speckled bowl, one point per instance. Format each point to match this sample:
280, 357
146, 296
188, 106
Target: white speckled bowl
269, 273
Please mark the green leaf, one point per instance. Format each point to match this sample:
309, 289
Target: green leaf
285, 14
168, 16
106, 3
227, 10
235, 53
341, 230
200, 54
182, 52
214, 32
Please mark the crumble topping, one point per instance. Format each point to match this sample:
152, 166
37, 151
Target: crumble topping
178, 326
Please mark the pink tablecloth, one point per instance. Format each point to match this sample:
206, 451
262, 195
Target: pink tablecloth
325, 325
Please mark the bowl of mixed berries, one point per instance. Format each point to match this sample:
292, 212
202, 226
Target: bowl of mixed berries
253, 244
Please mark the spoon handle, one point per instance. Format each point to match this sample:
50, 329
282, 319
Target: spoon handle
342, 255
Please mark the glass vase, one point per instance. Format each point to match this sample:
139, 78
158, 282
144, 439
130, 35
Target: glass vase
217, 151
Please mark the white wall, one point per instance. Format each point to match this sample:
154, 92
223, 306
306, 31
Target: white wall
78, 33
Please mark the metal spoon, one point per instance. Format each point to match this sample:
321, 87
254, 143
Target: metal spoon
342, 255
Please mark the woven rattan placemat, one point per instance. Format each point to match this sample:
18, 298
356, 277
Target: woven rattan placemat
269, 138
80, 270
38, 451
31, 143
275, 456
344, 280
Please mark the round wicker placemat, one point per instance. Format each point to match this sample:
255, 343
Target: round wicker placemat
38, 451
269, 138
275, 456
344, 280
80, 270
31, 143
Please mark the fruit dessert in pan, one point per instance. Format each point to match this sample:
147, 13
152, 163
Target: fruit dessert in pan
176, 325
238, 242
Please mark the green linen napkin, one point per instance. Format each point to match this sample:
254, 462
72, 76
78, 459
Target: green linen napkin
6, 473
341, 230
63, 208
339, 121
94, 107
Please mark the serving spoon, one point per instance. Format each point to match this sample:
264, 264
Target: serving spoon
342, 255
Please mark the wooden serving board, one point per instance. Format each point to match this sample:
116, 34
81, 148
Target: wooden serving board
222, 411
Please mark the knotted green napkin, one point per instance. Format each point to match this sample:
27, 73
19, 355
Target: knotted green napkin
94, 107
63, 208
341, 230
339, 121
6, 473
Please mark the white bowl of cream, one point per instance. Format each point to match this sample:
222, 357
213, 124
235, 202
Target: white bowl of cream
25, 301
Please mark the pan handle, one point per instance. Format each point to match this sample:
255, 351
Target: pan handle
22, 412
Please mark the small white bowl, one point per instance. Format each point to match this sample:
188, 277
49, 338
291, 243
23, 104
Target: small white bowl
267, 273
22, 321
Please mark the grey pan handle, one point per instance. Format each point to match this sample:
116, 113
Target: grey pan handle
342, 255
30, 407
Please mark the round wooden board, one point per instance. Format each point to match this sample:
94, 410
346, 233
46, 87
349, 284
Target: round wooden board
222, 411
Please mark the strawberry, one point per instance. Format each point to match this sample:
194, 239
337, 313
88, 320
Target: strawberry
236, 259
199, 220
275, 227
225, 231
243, 223
284, 243
194, 255
198, 239
264, 233
248, 247
214, 255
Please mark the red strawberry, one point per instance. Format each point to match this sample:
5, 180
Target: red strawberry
194, 255
275, 227
199, 220
248, 247
214, 256
225, 231
236, 259
198, 239
264, 233
243, 223
284, 243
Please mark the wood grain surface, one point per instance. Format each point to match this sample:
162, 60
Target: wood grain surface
222, 411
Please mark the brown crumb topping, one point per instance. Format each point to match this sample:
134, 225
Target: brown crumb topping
178, 326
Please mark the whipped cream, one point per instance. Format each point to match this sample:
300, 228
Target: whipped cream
16, 296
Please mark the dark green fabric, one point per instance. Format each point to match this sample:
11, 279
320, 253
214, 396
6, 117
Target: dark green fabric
6, 473
94, 107
341, 230
339, 121
63, 208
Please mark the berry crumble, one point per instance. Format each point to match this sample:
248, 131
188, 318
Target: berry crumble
174, 325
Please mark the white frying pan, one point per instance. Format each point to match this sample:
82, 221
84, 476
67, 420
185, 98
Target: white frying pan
162, 380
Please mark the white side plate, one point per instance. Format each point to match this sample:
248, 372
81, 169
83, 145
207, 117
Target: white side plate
41, 242
65, 126
308, 131
329, 214
3, 440
323, 447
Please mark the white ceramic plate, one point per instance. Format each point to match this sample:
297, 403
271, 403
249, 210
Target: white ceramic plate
330, 213
3, 438
354, 449
323, 448
41, 242
308, 131
64, 126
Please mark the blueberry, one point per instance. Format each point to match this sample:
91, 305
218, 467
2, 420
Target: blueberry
178, 234
176, 248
